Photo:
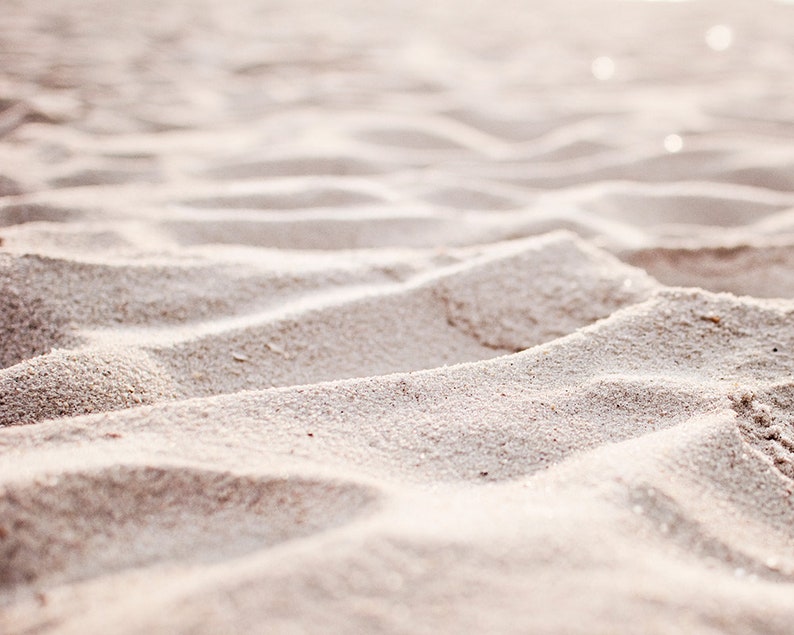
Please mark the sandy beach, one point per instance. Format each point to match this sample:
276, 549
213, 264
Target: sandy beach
396, 317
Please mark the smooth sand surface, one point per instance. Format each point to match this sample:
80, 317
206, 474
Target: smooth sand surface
396, 317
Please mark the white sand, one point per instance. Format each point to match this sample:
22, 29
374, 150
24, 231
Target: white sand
396, 317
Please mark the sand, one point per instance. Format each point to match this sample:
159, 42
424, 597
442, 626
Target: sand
396, 317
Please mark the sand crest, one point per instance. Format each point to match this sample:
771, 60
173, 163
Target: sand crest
396, 318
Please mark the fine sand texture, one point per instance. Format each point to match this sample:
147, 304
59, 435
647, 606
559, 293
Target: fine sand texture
396, 317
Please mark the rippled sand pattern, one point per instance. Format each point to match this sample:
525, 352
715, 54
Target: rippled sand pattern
396, 317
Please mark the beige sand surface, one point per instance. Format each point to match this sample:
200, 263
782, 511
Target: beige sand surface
396, 317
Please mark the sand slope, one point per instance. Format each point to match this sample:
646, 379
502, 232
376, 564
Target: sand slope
396, 318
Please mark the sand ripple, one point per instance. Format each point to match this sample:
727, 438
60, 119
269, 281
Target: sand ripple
396, 317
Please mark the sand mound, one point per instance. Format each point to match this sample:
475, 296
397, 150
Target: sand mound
374, 331
67, 383
30, 323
